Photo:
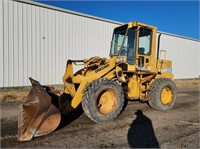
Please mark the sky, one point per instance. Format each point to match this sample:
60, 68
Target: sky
176, 17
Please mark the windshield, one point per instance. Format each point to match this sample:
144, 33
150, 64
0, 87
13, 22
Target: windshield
117, 40
128, 47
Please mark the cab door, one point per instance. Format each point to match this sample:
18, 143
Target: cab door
144, 49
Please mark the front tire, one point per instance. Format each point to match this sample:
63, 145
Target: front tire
103, 100
162, 94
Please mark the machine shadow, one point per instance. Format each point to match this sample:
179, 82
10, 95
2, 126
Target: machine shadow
141, 133
70, 117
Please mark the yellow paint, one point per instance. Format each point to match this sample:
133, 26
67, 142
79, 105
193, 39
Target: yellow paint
166, 95
84, 80
138, 79
120, 74
133, 88
69, 87
107, 101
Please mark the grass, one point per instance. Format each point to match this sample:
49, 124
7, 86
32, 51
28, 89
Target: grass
13, 94
9, 97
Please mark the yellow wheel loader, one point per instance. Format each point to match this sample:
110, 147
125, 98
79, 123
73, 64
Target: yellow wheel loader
135, 70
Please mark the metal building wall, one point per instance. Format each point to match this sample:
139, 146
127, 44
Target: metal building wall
184, 53
38, 41
1, 44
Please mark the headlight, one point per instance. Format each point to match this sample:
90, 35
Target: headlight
120, 59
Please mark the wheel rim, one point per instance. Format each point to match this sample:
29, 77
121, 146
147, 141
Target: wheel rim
166, 95
107, 101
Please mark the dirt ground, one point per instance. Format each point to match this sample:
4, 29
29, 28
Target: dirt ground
138, 126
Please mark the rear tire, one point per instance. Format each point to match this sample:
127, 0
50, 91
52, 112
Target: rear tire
103, 100
162, 94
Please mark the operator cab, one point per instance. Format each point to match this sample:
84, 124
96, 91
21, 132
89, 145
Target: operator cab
134, 41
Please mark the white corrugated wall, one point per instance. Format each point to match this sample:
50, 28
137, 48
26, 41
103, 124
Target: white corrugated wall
185, 55
1, 44
37, 41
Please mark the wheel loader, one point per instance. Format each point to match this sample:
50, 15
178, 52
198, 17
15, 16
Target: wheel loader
135, 70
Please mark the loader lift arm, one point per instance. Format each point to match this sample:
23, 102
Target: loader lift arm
69, 80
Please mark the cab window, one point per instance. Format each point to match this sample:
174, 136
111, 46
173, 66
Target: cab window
145, 36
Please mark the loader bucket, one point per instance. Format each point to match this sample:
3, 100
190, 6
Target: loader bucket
38, 116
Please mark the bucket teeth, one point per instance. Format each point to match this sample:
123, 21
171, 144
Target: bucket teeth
38, 116
24, 118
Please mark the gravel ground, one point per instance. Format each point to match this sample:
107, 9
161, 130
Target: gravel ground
138, 126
